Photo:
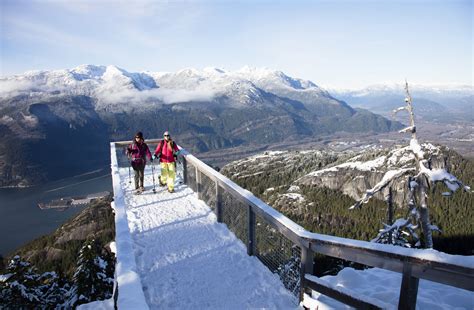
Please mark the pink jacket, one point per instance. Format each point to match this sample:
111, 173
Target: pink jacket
138, 152
166, 152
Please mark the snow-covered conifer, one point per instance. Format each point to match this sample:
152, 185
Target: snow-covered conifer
20, 287
93, 279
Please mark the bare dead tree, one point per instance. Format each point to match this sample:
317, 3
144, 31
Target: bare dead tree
421, 176
420, 182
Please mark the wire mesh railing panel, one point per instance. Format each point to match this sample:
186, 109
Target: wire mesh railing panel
234, 215
279, 254
191, 176
208, 191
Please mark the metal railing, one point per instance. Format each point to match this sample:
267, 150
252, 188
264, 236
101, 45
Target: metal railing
288, 250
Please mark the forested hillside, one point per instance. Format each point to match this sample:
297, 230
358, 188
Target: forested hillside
72, 266
277, 178
58, 251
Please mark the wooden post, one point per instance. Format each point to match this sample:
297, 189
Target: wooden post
251, 231
218, 202
306, 267
198, 183
408, 290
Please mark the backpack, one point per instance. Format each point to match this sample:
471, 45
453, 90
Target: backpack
173, 145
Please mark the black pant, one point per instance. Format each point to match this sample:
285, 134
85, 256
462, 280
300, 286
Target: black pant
139, 169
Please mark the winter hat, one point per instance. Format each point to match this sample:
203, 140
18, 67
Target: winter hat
139, 135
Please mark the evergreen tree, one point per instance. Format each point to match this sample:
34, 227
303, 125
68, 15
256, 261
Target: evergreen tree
22, 287
93, 279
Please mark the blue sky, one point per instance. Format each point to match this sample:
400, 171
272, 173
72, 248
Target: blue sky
333, 43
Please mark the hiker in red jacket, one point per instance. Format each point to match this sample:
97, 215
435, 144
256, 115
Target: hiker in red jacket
167, 151
138, 151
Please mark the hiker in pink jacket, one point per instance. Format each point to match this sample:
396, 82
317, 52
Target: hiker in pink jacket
137, 152
167, 151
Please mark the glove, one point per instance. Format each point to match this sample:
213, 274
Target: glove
151, 160
153, 157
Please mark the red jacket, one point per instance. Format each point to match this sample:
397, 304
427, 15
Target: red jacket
166, 152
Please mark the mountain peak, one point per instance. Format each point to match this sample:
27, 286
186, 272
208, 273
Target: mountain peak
274, 78
214, 70
259, 72
87, 71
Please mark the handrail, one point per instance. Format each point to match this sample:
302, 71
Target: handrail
426, 263
294, 232
428, 266
413, 264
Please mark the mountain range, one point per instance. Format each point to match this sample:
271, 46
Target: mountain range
58, 123
439, 103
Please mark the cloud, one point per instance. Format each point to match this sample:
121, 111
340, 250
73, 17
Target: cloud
167, 96
11, 88
181, 95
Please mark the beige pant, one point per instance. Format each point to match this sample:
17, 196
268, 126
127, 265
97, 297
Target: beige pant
168, 174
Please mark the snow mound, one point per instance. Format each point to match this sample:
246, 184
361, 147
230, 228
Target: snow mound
384, 285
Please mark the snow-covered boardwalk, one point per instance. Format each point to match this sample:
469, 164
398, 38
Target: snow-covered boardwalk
186, 260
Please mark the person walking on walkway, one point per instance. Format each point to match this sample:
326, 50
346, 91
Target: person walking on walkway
138, 151
167, 151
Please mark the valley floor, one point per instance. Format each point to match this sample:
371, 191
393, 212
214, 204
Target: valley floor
458, 136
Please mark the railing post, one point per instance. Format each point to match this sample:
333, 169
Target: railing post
185, 170
218, 202
306, 267
198, 183
408, 290
251, 231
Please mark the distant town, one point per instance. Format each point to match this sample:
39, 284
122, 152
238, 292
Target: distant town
64, 203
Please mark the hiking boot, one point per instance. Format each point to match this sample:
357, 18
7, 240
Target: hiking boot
170, 190
162, 184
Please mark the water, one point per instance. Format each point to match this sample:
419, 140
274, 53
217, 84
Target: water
22, 221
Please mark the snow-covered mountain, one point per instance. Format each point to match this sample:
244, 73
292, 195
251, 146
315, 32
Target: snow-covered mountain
110, 83
448, 90
205, 109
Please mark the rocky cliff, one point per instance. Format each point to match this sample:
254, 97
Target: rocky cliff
317, 188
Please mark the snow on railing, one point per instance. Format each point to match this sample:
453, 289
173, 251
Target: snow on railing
288, 250
126, 276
